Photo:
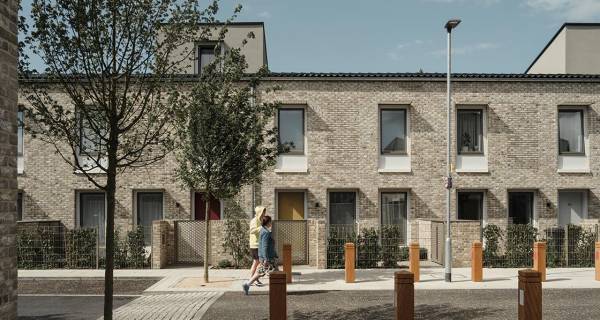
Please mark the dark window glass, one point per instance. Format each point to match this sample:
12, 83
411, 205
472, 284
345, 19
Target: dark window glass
20, 133
90, 133
149, 208
520, 207
19, 206
92, 212
206, 55
470, 131
570, 124
394, 211
393, 131
291, 129
342, 208
470, 205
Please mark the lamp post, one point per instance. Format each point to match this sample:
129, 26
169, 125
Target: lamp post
451, 24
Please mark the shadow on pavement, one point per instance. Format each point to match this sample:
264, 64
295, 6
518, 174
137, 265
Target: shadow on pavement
47, 317
386, 311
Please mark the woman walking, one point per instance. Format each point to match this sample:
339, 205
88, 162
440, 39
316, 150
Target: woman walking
266, 253
254, 234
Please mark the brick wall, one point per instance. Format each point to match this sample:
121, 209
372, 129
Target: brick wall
342, 148
8, 158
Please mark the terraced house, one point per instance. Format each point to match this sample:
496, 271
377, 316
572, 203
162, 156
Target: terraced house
369, 150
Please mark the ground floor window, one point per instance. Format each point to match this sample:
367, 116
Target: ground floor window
214, 210
394, 212
19, 206
572, 207
520, 207
290, 205
92, 212
342, 207
470, 205
149, 208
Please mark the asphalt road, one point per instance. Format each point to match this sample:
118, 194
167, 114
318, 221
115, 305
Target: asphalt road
430, 304
65, 307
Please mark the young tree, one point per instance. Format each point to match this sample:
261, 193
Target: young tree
114, 62
225, 140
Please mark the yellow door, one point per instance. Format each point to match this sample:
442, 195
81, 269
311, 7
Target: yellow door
290, 206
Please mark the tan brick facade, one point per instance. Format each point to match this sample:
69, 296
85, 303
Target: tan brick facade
342, 149
8, 158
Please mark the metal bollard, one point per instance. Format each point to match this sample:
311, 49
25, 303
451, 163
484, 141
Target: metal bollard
539, 259
277, 296
477, 262
287, 261
349, 257
598, 261
530, 295
414, 257
404, 291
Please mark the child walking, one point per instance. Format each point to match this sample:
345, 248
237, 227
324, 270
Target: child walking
266, 253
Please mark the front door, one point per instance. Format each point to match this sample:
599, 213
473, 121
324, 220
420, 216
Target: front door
214, 212
290, 206
571, 206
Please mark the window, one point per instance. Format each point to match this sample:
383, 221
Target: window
520, 207
92, 212
393, 131
394, 211
342, 208
291, 129
214, 211
470, 131
149, 208
19, 206
90, 134
570, 132
572, 207
470, 205
20, 126
206, 55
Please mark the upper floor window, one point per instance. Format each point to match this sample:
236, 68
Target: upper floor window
393, 131
90, 138
206, 55
570, 131
291, 129
20, 125
469, 130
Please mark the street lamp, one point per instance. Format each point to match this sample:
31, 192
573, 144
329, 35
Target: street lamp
451, 24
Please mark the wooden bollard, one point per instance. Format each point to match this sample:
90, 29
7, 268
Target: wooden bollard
477, 262
539, 259
277, 296
530, 295
404, 291
287, 261
349, 257
414, 257
598, 261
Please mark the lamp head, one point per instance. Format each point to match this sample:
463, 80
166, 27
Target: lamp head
451, 24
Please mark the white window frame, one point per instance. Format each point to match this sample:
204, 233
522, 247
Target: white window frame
472, 162
394, 162
279, 191
294, 163
573, 162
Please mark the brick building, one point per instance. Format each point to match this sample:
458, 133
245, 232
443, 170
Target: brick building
369, 149
8, 150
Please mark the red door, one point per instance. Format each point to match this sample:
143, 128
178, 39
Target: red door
214, 212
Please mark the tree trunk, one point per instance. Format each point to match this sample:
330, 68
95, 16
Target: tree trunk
110, 238
207, 236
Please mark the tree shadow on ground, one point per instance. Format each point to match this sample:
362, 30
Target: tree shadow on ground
386, 311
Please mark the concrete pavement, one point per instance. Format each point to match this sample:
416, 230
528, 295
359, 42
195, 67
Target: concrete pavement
310, 279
